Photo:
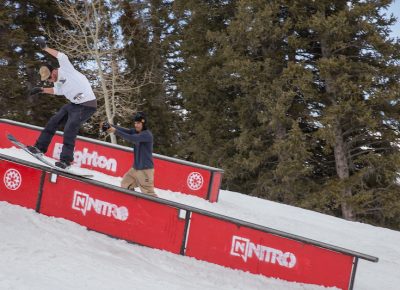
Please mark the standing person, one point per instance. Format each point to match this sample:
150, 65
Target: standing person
142, 172
76, 88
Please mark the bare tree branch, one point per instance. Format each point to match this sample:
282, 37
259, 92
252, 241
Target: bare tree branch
88, 37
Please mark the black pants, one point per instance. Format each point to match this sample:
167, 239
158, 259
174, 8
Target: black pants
72, 116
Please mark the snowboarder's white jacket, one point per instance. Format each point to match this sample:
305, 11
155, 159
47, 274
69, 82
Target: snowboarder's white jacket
71, 83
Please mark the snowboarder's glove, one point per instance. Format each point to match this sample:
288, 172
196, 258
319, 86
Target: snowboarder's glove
41, 42
35, 90
105, 126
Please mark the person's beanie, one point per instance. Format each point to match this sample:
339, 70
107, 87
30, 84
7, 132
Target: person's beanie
141, 117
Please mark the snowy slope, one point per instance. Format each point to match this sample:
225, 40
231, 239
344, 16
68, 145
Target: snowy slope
364, 238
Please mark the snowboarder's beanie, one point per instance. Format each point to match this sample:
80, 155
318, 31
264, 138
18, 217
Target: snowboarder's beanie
45, 71
140, 117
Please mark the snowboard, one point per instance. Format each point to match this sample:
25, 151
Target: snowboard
43, 160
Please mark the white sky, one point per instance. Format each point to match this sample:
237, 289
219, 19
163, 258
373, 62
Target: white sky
395, 10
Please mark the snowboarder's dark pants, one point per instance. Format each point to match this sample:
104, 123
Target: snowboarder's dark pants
72, 116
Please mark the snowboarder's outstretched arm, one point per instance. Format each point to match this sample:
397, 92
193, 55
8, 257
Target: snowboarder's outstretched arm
41, 42
38, 90
61, 57
51, 51
62, 60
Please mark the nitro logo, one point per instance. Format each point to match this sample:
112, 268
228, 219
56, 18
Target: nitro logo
84, 203
12, 179
86, 158
195, 181
242, 247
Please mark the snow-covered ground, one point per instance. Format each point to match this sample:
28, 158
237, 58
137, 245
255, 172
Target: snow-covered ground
40, 252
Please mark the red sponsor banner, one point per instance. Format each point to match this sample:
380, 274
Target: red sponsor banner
189, 180
113, 213
225, 243
115, 161
19, 184
112, 161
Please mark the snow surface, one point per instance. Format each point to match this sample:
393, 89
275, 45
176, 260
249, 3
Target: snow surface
40, 252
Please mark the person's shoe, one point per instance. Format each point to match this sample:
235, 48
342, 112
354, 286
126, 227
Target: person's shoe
62, 164
34, 150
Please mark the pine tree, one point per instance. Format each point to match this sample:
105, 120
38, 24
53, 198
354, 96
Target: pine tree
19, 25
311, 89
8, 67
345, 45
149, 52
207, 104
268, 82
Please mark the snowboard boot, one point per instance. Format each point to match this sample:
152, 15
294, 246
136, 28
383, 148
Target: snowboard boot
34, 150
62, 164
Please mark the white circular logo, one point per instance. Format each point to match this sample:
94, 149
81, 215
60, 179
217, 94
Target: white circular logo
12, 179
195, 181
121, 213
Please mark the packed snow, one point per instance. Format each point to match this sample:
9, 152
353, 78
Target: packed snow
40, 252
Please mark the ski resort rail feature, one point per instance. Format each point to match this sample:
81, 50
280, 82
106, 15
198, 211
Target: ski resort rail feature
170, 173
178, 228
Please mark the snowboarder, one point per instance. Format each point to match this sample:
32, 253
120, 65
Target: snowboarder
76, 88
142, 172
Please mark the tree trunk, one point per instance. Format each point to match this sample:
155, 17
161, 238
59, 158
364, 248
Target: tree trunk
342, 170
340, 150
96, 55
